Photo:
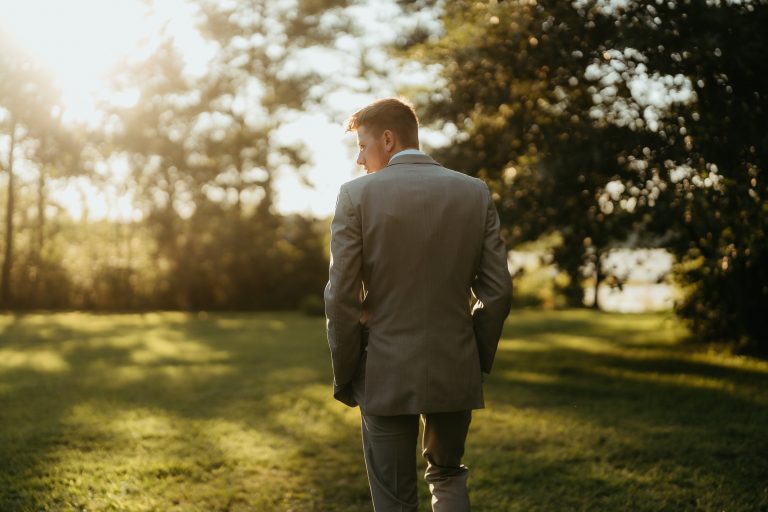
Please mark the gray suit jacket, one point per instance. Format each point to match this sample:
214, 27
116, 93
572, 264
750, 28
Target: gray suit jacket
415, 240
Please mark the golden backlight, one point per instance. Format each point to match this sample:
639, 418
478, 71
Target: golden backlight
82, 42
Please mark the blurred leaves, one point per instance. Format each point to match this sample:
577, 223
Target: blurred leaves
203, 153
639, 125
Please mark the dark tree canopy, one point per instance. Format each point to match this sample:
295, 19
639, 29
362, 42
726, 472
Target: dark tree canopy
639, 125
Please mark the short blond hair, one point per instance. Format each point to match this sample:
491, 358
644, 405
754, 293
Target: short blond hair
395, 114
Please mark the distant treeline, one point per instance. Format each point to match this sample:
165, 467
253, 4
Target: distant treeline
211, 262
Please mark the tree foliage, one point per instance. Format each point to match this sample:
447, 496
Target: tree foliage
204, 152
635, 124
30, 121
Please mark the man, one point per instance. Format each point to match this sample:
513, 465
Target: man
410, 242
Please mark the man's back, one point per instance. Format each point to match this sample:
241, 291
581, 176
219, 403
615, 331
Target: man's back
425, 244
415, 240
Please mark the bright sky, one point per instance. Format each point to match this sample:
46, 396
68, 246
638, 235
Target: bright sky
80, 40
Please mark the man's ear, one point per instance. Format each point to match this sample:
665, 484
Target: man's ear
388, 138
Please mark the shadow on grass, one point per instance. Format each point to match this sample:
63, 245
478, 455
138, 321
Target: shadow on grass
587, 411
250, 375
618, 425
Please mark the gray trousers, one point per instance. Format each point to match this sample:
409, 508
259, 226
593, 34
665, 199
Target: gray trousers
389, 445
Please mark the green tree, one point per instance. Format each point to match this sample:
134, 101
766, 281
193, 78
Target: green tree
516, 94
713, 155
30, 110
156, 136
206, 151
602, 120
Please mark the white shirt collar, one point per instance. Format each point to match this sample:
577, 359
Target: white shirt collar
406, 152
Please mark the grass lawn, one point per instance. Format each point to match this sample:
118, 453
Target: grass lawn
172, 411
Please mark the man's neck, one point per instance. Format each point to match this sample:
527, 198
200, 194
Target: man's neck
407, 151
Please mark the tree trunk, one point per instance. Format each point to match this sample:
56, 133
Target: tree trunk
40, 238
599, 277
5, 291
265, 206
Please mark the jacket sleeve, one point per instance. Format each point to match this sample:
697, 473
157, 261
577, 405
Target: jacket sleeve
343, 305
492, 286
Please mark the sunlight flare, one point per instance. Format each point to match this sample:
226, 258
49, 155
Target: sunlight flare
82, 41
